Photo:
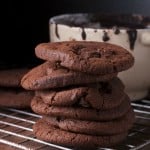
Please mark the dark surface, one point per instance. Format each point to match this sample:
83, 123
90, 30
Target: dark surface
25, 23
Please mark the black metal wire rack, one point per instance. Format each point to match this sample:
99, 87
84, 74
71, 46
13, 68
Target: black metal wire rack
16, 130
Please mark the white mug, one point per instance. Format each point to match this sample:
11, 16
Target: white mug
68, 27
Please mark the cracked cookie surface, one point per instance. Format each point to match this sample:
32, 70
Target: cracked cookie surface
89, 57
103, 95
52, 75
49, 133
38, 106
115, 126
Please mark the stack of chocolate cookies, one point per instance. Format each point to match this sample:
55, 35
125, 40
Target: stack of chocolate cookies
79, 95
11, 92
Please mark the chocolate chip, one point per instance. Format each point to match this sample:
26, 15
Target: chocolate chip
57, 65
83, 103
58, 119
105, 88
77, 49
95, 55
108, 54
113, 52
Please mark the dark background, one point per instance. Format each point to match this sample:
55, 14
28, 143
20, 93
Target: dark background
25, 23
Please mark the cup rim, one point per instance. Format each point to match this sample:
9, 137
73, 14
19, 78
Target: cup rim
62, 19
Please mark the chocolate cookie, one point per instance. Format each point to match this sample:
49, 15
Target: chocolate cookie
116, 126
16, 98
104, 95
12, 77
55, 135
89, 57
80, 113
52, 75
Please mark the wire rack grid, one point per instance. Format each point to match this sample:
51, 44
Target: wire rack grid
16, 130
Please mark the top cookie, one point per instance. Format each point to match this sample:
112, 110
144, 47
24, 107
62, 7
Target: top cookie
89, 57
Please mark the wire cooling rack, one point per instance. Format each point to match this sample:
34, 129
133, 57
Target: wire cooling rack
16, 130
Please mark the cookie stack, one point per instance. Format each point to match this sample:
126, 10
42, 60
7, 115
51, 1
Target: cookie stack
79, 95
11, 92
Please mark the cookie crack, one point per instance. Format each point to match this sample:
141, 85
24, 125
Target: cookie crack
76, 49
53, 98
84, 65
73, 138
85, 97
57, 66
104, 88
81, 101
76, 115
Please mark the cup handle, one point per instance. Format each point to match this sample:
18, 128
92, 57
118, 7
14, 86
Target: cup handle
145, 38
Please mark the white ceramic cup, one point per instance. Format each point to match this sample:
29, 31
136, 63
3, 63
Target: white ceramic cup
68, 27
